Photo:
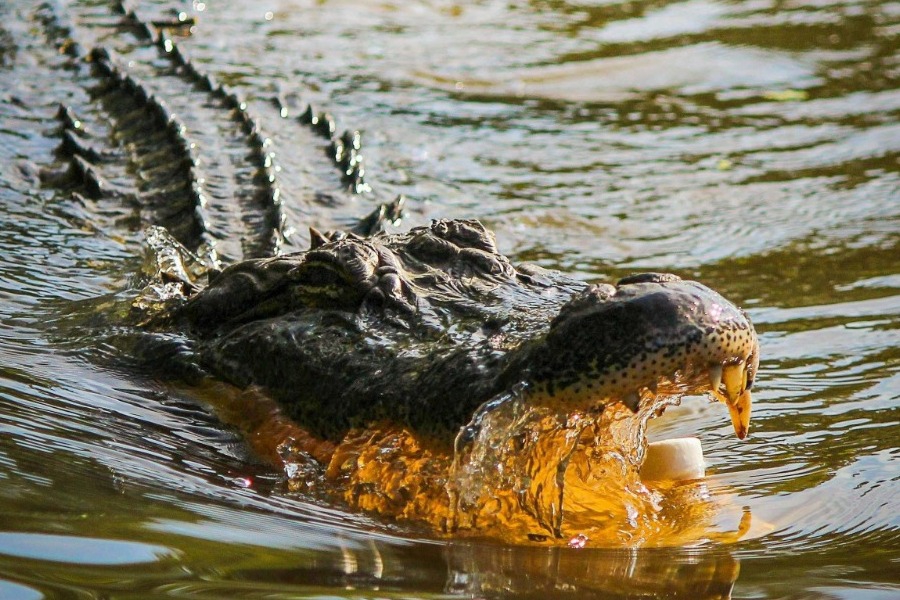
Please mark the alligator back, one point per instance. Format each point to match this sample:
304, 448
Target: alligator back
413, 328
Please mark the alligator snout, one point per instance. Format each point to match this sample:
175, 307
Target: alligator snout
649, 333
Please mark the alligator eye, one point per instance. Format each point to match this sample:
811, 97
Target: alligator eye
322, 274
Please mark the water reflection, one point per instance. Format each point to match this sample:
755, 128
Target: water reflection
474, 570
696, 69
79, 550
21, 592
526, 572
484, 571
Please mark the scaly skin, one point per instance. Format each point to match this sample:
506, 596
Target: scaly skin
421, 329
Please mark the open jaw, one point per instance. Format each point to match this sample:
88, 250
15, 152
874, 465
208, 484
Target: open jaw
517, 472
579, 474
482, 400
569, 450
523, 470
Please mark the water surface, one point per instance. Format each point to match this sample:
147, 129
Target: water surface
750, 144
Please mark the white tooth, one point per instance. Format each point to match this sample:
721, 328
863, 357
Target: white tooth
715, 377
733, 376
632, 400
740, 414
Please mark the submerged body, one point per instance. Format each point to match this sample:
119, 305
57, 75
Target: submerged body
431, 378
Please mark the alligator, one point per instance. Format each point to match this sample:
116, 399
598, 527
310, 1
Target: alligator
424, 327
417, 346
423, 375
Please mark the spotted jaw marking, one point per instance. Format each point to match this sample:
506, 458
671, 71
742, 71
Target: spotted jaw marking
680, 336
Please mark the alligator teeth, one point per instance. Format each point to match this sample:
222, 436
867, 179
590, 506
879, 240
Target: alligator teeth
735, 378
632, 400
737, 397
715, 377
740, 414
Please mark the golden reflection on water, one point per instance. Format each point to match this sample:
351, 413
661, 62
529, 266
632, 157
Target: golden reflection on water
528, 475
543, 573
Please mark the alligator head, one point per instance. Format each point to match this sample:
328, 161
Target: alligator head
424, 327
646, 331
426, 333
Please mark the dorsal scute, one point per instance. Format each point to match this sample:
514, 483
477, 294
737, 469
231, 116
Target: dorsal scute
459, 248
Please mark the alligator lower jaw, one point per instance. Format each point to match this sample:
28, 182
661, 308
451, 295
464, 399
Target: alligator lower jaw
528, 474
536, 475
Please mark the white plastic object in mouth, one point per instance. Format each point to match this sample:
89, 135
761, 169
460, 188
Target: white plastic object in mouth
677, 459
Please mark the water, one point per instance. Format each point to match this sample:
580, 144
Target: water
752, 145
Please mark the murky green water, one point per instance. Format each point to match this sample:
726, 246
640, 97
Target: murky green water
752, 145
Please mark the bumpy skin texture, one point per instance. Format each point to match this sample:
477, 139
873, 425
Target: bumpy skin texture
424, 327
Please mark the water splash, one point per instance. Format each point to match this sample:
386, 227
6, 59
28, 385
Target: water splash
511, 459
539, 473
522, 473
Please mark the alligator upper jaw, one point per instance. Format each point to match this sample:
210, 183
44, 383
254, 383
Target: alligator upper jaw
726, 381
668, 391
